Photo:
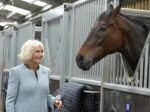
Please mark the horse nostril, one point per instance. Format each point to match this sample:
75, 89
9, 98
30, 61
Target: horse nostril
82, 62
79, 58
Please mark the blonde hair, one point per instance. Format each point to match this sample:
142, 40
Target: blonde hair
27, 49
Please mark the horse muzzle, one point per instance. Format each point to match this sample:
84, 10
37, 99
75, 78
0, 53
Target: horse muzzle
83, 63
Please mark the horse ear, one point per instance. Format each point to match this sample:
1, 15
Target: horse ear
110, 7
117, 9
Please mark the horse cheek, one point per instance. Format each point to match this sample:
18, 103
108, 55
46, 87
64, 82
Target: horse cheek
112, 45
119, 43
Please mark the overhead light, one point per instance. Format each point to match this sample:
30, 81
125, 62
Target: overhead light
2, 7
1, 4
36, 2
8, 23
16, 9
29, 1
40, 3
11, 14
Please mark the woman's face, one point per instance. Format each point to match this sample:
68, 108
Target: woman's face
37, 55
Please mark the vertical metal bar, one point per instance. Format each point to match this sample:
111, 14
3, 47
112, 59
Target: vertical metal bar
146, 66
149, 68
65, 28
137, 79
71, 40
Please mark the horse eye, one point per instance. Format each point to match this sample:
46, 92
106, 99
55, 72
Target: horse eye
102, 28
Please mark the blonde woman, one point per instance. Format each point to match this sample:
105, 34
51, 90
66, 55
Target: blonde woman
28, 84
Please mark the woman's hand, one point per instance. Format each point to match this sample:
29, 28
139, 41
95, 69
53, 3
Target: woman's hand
58, 103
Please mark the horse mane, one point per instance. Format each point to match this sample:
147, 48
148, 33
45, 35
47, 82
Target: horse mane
141, 21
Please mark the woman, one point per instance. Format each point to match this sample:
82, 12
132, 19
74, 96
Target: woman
28, 84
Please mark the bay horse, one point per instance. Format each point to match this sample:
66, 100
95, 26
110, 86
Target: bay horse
114, 32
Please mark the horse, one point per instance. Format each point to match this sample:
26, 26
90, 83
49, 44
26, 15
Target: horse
114, 32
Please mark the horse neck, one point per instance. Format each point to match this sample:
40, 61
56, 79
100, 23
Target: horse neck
134, 38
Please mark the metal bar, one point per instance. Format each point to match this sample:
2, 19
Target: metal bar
129, 89
146, 66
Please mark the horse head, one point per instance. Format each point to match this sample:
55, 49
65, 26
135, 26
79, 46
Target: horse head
113, 32
102, 40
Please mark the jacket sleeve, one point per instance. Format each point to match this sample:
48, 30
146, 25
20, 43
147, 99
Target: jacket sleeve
12, 91
50, 98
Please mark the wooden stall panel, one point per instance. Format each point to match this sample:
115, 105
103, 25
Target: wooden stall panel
137, 4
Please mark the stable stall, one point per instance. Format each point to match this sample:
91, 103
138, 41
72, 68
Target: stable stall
63, 36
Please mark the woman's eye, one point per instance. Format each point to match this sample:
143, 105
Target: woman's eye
37, 51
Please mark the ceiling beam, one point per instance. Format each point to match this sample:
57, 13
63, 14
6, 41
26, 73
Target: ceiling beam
3, 18
40, 11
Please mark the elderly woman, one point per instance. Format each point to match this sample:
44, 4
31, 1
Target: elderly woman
28, 84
